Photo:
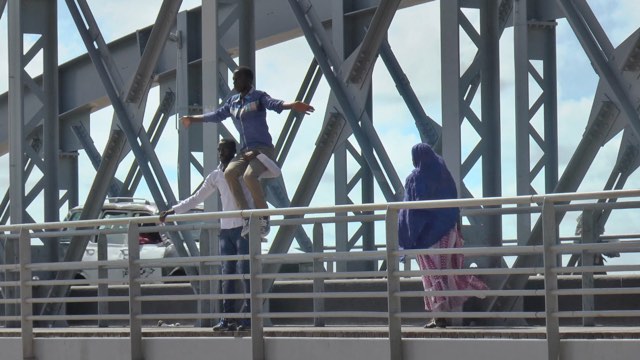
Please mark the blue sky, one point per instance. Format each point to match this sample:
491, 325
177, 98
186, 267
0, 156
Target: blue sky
414, 37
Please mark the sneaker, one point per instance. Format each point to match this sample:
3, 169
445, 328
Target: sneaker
264, 226
439, 322
245, 227
224, 325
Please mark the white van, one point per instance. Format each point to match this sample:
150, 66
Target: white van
153, 245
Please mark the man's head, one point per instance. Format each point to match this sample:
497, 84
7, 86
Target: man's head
226, 151
242, 79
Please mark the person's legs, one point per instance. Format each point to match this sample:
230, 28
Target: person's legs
437, 303
227, 247
250, 177
251, 174
232, 174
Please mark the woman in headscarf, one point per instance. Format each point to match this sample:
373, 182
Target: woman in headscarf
436, 229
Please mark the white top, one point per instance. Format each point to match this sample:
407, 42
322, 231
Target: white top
216, 181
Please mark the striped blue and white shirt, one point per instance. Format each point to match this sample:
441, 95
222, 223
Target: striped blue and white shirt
249, 114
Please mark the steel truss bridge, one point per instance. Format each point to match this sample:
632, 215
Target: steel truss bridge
44, 119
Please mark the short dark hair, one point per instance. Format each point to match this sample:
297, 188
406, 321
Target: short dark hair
245, 71
229, 144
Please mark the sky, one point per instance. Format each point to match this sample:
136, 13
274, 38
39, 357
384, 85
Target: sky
414, 36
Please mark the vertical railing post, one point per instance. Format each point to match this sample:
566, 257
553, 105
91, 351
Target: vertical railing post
549, 239
255, 269
393, 286
135, 305
318, 283
103, 273
589, 235
26, 293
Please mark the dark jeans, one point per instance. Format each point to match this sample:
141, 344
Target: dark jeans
232, 243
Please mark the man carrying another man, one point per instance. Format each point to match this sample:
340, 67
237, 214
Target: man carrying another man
231, 240
248, 109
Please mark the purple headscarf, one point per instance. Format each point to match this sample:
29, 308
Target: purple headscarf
430, 180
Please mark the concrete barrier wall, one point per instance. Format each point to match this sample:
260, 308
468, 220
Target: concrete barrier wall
231, 348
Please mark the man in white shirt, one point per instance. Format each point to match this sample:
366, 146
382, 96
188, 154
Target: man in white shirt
231, 240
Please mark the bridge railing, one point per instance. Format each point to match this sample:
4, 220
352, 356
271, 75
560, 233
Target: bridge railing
22, 290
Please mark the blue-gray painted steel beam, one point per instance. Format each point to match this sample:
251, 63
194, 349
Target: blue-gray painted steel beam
489, 51
122, 115
182, 104
28, 168
368, 50
346, 96
156, 128
343, 41
111, 157
522, 119
51, 124
247, 34
451, 89
101, 45
143, 76
595, 28
351, 101
16, 112
214, 74
2, 5
4, 209
326, 143
596, 52
93, 154
276, 194
274, 24
294, 120
430, 131
574, 173
550, 80
16, 146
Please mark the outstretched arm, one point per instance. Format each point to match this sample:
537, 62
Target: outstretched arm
298, 106
215, 116
189, 119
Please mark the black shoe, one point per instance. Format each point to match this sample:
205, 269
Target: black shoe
245, 326
224, 325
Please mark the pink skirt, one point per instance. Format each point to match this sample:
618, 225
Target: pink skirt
447, 282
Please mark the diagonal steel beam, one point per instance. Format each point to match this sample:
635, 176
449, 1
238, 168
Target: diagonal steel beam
349, 98
334, 127
3, 3
93, 154
598, 48
156, 127
575, 171
430, 131
368, 50
292, 124
101, 45
116, 142
28, 168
